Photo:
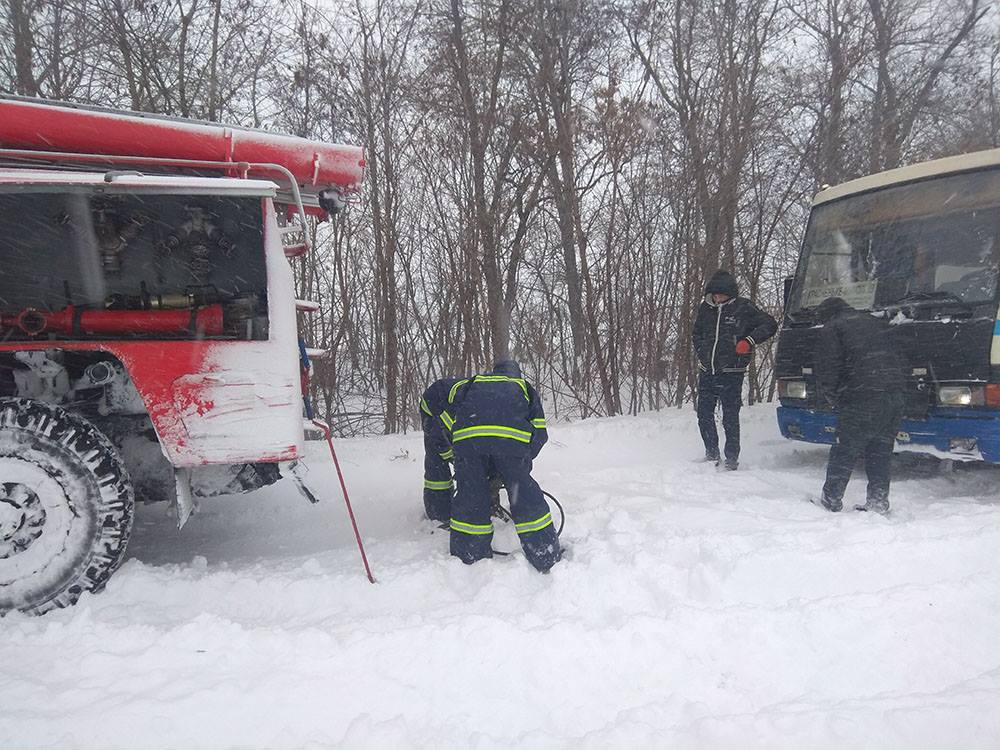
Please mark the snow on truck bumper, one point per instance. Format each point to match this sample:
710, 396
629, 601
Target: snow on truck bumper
236, 416
217, 402
958, 434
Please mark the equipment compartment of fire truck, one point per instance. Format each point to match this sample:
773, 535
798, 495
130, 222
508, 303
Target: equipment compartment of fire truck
111, 261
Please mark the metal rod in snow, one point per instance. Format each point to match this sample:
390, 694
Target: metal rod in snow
347, 500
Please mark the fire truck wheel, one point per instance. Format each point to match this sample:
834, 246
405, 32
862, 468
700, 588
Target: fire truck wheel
66, 506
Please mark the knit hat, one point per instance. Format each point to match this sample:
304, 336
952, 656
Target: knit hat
722, 282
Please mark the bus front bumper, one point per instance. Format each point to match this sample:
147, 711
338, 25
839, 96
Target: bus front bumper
958, 434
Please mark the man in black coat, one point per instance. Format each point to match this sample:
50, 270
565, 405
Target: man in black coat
861, 376
497, 428
726, 330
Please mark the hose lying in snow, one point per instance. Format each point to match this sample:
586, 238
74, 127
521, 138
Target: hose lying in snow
562, 513
498, 511
504, 515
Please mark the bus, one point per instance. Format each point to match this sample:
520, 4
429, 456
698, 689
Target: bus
918, 246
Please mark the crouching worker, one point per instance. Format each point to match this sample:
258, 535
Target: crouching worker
497, 427
439, 487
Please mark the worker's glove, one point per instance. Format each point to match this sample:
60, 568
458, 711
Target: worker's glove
742, 346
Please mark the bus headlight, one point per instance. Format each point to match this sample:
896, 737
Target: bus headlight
792, 389
961, 395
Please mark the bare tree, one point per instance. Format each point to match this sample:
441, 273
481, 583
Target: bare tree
913, 43
549, 179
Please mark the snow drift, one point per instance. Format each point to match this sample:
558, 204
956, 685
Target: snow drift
698, 609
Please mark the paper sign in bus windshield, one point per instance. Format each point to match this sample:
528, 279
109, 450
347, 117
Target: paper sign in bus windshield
858, 294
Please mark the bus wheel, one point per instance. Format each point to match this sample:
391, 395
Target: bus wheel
66, 506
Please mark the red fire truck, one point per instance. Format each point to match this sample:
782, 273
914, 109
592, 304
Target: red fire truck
148, 342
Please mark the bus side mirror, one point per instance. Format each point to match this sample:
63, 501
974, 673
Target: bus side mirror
788, 291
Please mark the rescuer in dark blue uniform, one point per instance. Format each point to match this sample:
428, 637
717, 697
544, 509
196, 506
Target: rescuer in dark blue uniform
497, 427
860, 374
439, 487
725, 332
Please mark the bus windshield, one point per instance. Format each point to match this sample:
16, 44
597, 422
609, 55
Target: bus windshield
928, 242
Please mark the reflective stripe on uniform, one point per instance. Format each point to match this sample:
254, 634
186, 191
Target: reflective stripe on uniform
477, 529
537, 525
491, 430
430, 484
447, 419
538, 424
425, 408
454, 390
503, 379
489, 379
447, 455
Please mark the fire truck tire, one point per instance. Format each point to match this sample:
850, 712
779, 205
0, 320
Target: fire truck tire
66, 507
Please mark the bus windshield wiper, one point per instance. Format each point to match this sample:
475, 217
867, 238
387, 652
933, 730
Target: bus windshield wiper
802, 315
940, 297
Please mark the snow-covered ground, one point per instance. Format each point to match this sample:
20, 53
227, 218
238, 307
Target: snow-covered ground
698, 609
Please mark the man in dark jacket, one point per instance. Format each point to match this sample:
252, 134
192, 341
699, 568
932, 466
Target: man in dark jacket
726, 330
497, 427
439, 487
861, 376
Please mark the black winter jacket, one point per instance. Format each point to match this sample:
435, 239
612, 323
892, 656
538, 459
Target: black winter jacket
718, 328
856, 363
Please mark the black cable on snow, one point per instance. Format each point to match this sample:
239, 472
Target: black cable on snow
499, 511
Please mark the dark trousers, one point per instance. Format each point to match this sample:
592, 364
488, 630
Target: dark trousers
725, 388
439, 488
471, 526
865, 428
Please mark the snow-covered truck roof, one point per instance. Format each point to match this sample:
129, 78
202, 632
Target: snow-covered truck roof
323, 175
935, 168
139, 182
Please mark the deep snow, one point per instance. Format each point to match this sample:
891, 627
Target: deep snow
698, 609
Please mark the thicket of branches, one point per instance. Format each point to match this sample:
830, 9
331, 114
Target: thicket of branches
553, 179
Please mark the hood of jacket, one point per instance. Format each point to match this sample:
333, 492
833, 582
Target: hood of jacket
722, 282
508, 367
